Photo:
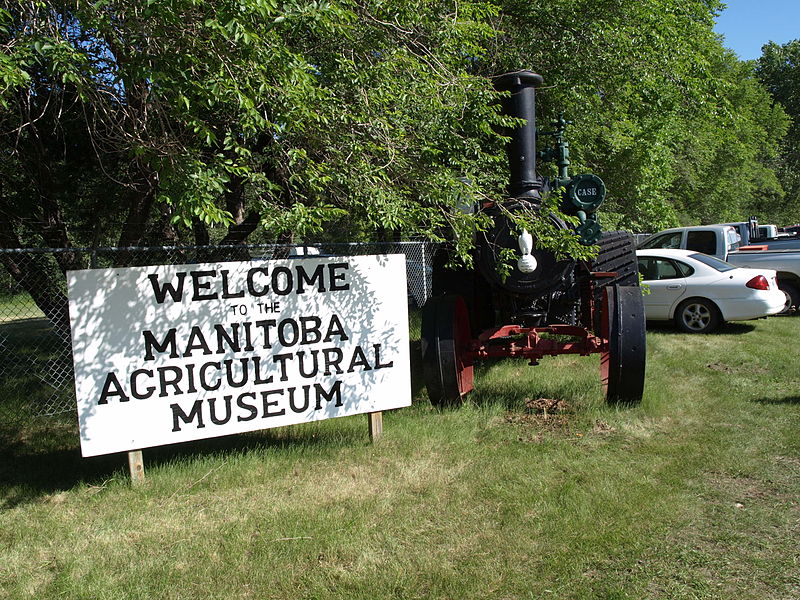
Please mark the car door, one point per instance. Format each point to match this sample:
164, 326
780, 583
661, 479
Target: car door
666, 282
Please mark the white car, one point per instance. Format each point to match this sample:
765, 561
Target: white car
700, 292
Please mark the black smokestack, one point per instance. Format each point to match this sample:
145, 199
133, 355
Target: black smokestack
521, 149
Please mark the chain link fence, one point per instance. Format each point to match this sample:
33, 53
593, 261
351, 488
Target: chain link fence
36, 371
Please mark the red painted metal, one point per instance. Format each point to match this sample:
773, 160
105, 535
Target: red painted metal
533, 343
461, 340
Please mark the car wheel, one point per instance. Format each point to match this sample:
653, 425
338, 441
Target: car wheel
792, 297
697, 315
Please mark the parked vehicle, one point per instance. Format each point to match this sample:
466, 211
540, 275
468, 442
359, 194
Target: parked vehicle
544, 304
724, 242
700, 292
751, 233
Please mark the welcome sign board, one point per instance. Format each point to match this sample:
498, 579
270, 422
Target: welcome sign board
171, 354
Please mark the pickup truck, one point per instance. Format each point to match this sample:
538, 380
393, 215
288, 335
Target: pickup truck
751, 233
724, 242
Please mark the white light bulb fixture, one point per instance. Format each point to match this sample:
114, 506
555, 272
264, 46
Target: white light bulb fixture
526, 263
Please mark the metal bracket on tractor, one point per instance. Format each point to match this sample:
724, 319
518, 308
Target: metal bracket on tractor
545, 306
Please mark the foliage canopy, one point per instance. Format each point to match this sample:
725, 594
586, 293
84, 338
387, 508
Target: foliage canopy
177, 120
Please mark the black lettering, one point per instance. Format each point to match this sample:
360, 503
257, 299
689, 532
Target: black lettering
302, 278
306, 396
310, 328
226, 294
248, 407
282, 358
258, 377
135, 388
190, 372
229, 372
196, 412
150, 343
161, 292
294, 332
197, 285
212, 402
336, 277
265, 327
359, 359
264, 398
248, 343
251, 284
196, 341
335, 327
223, 337
312, 372
378, 363
164, 382
333, 356
288, 281
112, 381
336, 390
204, 383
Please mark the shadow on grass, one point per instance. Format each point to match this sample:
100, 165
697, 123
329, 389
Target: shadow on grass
785, 400
525, 383
728, 328
45, 460
41, 456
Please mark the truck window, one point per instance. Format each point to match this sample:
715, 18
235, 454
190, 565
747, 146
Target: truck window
702, 241
667, 240
734, 239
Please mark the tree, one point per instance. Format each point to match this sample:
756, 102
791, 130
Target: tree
245, 114
253, 113
779, 69
307, 116
677, 127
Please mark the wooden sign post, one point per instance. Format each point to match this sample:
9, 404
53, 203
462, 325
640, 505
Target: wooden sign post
375, 426
136, 465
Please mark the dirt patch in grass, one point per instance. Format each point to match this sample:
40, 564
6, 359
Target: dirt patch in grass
724, 368
743, 491
551, 416
739, 489
545, 406
542, 415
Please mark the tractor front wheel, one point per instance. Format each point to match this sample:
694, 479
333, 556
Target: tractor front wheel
622, 364
445, 336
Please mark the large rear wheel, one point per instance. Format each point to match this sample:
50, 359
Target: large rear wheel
622, 364
445, 336
616, 254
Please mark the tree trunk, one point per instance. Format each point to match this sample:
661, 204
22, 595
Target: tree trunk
29, 270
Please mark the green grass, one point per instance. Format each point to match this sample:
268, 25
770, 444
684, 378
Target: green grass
18, 306
694, 494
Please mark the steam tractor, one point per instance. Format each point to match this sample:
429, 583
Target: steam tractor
544, 305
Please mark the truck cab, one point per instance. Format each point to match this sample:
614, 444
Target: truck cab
715, 240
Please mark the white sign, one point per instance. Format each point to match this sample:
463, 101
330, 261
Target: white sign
170, 354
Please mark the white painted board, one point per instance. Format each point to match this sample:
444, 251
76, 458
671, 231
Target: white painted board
174, 353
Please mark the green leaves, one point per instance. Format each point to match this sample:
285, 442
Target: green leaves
346, 117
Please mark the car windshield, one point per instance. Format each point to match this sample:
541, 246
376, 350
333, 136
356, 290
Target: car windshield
713, 262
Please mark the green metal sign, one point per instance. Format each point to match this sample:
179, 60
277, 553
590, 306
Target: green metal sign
586, 192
